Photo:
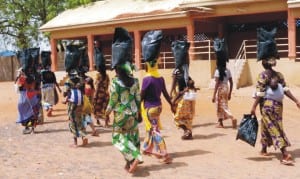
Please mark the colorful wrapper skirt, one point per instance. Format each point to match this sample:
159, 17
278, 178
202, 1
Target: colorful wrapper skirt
271, 125
128, 143
223, 111
184, 113
154, 142
76, 123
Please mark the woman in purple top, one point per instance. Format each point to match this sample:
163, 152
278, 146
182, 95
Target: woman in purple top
152, 87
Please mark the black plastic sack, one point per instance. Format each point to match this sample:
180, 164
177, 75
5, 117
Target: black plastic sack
248, 129
84, 63
46, 58
72, 57
180, 51
151, 45
99, 59
25, 59
221, 51
29, 59
35, 55
121, 47
266, 44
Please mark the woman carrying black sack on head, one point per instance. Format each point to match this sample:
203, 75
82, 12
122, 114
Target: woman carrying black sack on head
49, 84
124, 101
222, 94
270, 89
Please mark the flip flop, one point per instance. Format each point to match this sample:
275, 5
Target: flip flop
287, 160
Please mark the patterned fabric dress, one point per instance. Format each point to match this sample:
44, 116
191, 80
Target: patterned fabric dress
184, 109
125, 103
272, 132
223, 111
154, 142
76, 123
185, 113
101, 96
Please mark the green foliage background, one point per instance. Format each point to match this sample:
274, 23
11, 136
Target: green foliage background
20, 19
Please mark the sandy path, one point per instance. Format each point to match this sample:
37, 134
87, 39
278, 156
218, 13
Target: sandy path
214, 153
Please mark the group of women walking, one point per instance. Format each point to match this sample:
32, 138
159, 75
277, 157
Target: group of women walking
131, 105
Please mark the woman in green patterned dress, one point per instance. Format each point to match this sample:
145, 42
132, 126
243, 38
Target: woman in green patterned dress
125, 101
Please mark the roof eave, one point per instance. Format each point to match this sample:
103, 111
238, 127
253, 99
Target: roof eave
216, 3
293, 4
169, 15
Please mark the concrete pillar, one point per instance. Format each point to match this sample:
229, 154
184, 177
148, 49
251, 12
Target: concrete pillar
291, 35
53, 43
190, 28
90, 39
137, 48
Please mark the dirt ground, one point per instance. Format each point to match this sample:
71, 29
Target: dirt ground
214, 153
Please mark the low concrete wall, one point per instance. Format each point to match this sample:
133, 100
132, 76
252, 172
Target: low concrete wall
289, 68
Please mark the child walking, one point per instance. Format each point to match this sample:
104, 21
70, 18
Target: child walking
185, 112
73, 94
89, 91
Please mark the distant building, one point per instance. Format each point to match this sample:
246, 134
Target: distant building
198, 21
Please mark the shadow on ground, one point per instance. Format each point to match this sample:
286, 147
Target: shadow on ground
210, 136
188, 153
144, 170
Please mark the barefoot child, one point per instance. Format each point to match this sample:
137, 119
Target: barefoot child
73, 93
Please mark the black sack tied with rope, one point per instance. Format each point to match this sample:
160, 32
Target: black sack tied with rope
248, 129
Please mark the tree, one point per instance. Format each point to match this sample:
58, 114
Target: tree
20, 19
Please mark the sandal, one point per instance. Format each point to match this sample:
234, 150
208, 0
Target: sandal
287, 160
27, 130
187, 135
